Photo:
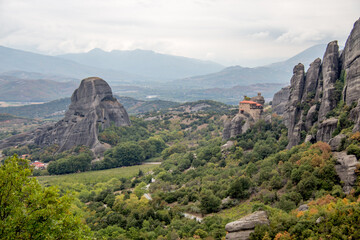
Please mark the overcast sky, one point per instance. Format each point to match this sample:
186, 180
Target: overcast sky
231, 32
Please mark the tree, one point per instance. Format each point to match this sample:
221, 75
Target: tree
240, 188
208, 201
29, 211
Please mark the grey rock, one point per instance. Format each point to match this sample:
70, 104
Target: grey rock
311, 80
355, 117
92, 108
330, 73
319, 220
308, 138
238, 125
227, 145
326, 129
352, 65
292, 111
311, 117
345, 168
243, 235
335, 142
280, 99
303, 208
248, 222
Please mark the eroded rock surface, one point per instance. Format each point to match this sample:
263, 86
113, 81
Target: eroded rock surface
345, 168
238, 125
352, 65
92, 108
280, 99
242, 228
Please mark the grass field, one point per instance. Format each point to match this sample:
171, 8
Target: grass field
92, 178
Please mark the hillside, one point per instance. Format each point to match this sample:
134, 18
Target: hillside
56, 109
146, 63
41, 90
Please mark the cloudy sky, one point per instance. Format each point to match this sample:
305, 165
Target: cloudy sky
231, 32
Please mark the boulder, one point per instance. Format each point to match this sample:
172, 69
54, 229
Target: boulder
259, 99
242, 228
248, 222
335, 142
345, 168
326, 129
280, 99
243, 235
352, 65
303, 208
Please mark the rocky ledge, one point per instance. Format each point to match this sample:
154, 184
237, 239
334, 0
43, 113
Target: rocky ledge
242, 228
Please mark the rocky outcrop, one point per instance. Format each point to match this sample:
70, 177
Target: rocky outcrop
92, 108
242, 228
352, 65
330, 73
316, 94
355, 117
326, 129
336, 141
292, 112
238, 125
311, 80
345, 168
280, 99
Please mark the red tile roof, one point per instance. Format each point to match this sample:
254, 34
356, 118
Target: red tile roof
251, 102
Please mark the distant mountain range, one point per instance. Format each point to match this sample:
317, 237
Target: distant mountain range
26, 76
146, 63
279, 72
115, 66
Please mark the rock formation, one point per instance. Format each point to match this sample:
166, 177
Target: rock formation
280, 99
242, 228
352, 65
312, 96
92, 108
345, 168
250, 111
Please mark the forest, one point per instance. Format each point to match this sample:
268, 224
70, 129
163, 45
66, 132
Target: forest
201, 177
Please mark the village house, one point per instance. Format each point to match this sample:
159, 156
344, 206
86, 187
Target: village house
38, 165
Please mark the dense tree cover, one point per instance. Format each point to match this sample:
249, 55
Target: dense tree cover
29, 211
199, 176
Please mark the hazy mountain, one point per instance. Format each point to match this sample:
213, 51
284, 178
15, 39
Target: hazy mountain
23, 90
305, 57
17, 60
236, 75
37, 76
279, 72
147, 63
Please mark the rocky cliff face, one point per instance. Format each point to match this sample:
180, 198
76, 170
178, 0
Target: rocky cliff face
280, 99
312, 96
238, 125
92, 108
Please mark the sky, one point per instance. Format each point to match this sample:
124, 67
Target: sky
231, 32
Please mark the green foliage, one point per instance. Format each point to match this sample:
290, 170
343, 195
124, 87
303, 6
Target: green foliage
29, 211
240, 188
208, 201
354, 150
